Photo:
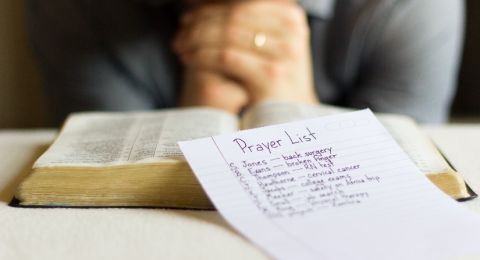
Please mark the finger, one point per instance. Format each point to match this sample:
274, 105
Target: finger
218, 36
215, 90
196, 28
281, 18
277, 18
211, 30
250, 69
225, 93
204, 12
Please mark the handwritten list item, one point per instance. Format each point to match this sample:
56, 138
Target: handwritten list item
337, 187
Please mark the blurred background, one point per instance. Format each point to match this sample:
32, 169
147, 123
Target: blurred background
467, 101
23, 103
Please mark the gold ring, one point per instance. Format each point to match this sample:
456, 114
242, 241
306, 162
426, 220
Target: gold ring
259, 40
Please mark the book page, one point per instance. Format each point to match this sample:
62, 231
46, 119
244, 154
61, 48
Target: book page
101, 139
415, 143
273, 112
335, 187
403, 129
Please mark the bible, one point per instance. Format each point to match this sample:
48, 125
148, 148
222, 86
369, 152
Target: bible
131, 159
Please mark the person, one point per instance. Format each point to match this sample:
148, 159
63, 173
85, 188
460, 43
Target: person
398, 56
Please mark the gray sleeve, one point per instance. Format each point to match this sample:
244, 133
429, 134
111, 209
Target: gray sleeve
100, 55
411, 67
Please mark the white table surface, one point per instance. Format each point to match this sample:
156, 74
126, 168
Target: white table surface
27, 233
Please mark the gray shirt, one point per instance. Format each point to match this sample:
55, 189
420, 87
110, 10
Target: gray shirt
397, 56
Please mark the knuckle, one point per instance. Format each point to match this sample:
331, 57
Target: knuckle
231, 27
291, 49
229, 34
297, 13
236, 14
274, 70
296, 20
226, 57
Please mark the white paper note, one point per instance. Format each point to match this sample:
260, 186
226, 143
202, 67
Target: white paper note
336, 187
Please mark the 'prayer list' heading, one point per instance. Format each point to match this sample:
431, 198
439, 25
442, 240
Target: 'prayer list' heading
268, 146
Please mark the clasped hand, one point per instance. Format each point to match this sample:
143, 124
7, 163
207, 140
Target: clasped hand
238, 53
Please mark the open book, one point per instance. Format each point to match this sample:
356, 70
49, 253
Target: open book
132, 158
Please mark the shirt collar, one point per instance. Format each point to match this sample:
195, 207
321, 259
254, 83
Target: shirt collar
322, 9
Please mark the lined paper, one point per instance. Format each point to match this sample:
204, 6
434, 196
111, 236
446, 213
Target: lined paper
336, 187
